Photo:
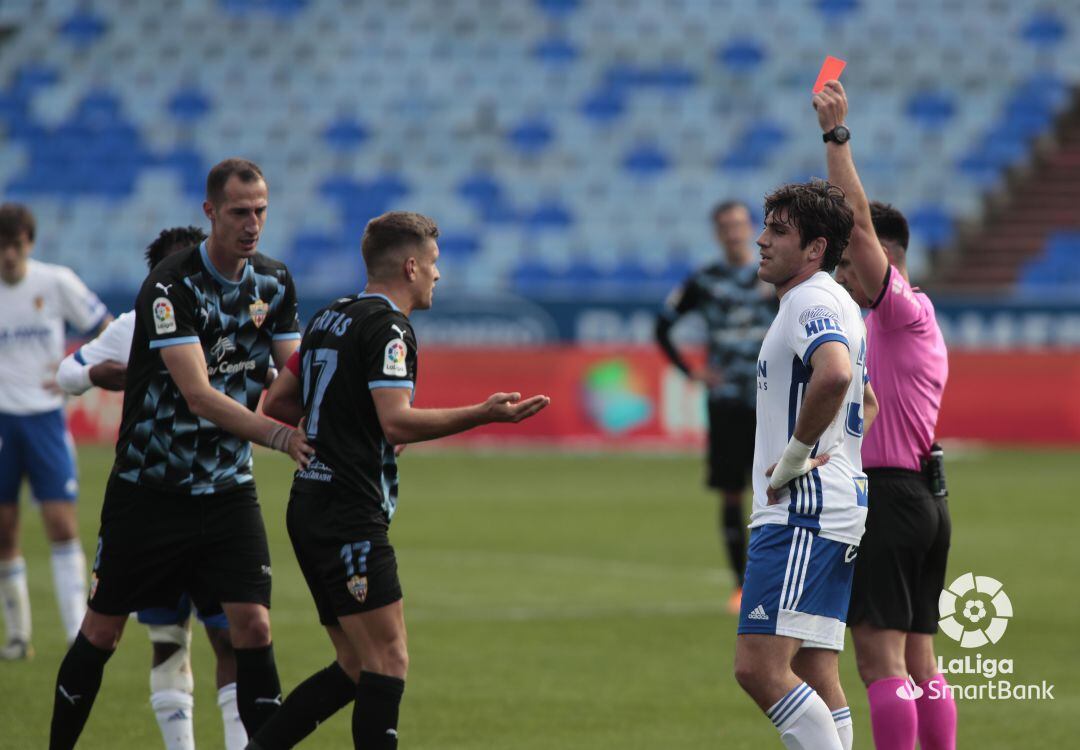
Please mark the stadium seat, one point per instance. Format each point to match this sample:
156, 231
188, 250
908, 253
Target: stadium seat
570, 119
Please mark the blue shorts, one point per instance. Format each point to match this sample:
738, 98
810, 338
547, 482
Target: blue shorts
38, 446
178, 615
798, 584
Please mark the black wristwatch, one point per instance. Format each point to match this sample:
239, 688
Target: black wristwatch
839, 135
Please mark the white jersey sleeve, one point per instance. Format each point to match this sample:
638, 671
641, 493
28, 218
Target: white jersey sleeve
814, 316
113, 345
80, 307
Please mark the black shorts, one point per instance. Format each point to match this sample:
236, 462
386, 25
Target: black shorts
900, 571
345, 556
732, 425
153, 546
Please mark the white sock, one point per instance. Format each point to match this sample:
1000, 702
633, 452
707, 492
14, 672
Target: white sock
69, 579
842, 719
16, 599
804, 721
173, 709
235, 735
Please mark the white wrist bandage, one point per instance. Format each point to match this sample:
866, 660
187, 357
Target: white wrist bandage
794, 462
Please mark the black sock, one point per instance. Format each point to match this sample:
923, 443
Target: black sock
375, 714
735, 538
258, 690
77, 685
313, 701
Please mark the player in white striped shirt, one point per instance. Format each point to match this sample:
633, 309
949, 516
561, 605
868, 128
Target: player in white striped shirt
37, 301
809, 489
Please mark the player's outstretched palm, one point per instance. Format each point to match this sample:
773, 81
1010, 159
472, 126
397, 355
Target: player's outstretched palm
510, 407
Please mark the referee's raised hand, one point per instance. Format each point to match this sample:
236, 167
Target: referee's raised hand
510, 407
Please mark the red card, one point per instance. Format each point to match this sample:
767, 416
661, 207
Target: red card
830, 71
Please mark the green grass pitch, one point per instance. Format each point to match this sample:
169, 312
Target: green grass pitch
559, 601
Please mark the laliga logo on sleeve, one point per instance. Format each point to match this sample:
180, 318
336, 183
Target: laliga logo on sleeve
965, 608
394, 359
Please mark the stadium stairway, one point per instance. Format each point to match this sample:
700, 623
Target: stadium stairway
1028, 223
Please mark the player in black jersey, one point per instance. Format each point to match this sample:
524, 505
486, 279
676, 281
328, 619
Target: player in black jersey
180, 511
358, 376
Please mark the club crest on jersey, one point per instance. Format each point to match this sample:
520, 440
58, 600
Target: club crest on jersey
164, 316
394, 360
93, 584
358, 587
39, 303
258, 310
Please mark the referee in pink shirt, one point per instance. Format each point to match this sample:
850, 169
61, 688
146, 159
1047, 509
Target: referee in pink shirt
900, 571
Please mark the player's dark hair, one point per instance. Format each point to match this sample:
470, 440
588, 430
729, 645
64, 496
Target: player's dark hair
16, 219
172, 240
246, 171
889, 223
816, 209
724, 206
392, 231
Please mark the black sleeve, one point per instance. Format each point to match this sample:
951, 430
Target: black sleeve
287, 318
391, 353
679, 302
166, 310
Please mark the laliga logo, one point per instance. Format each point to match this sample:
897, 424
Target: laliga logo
964, 614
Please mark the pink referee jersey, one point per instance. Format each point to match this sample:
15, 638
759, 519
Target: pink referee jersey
908, 366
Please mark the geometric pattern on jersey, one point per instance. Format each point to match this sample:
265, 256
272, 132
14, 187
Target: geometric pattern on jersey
798, 584
737, 314
350, 348
186, 300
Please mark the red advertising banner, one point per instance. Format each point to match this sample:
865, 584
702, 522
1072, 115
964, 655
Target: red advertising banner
631, 397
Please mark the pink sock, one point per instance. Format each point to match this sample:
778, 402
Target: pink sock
937, 715
893, 719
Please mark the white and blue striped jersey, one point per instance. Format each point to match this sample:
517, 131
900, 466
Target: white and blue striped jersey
34, 313
832, 499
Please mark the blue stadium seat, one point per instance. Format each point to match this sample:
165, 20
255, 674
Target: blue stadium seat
189, 105
83, 28
345, 134
931, 109
931, 223
741, 56
531, 136
645, 160
605, 105
555, 50
557, 118
1045, 28
836, 11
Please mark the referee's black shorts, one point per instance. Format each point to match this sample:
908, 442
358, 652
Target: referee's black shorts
900, 570
732, 425
154, 545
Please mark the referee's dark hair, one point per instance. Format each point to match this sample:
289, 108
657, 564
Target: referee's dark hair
817, 209
247, 171
889, 224
170, 241
724, 206
393, 231
15, 220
